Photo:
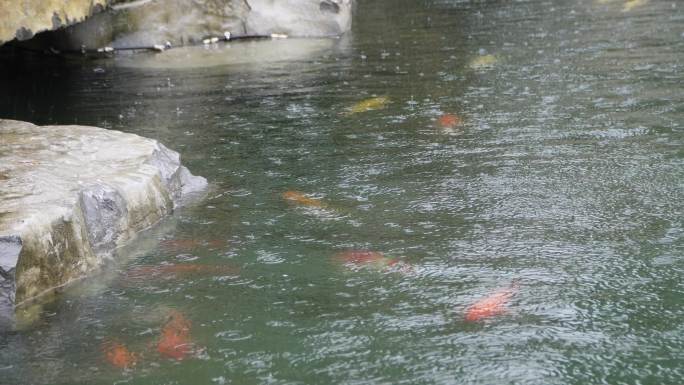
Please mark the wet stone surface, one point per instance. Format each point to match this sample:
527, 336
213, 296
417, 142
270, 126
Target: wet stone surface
72, 195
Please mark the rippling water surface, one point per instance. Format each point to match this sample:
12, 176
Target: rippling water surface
563, 186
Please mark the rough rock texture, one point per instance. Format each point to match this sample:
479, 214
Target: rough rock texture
306, 18
21, 19
146, 23
71, 195
182, 22
177, 21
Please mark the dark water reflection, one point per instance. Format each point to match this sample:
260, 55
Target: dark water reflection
567, 178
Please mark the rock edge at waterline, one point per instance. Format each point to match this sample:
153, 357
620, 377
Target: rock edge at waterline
71, 195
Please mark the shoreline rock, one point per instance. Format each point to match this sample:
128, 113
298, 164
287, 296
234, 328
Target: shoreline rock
71, 195
21, 20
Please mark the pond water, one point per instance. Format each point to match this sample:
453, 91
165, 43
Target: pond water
369, 192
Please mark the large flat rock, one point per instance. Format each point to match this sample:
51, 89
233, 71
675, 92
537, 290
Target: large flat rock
71, 195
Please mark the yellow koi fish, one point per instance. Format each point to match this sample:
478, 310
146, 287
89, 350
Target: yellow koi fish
376, 103
631, 4
483, 62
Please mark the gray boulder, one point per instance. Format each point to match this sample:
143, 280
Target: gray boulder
72, 195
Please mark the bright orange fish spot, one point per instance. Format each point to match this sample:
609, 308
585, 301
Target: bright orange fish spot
175, 341
301, 199
449, 121
118, 355
492, 305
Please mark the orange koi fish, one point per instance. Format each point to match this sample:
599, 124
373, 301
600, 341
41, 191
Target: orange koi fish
118, 355
175, 341
171, 270
373, 259
492, 305
299, 198
449, 121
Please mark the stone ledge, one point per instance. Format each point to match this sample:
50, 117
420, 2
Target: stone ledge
71, 195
